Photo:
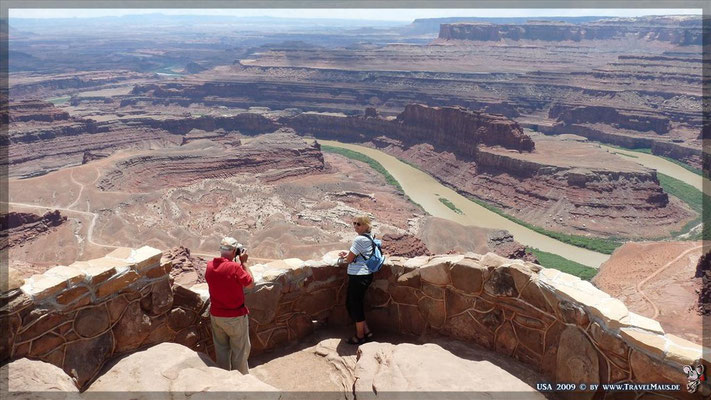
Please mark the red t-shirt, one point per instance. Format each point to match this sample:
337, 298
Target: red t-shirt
226, 281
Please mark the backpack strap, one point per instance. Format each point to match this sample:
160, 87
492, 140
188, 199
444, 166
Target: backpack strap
372, 251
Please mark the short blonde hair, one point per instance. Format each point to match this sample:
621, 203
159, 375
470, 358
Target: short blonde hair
364, 220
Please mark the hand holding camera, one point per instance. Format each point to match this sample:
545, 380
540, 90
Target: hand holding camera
243, 256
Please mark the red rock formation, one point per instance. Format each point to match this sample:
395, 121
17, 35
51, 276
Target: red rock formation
187, 270
586, 197
703, 270
274, 156
503, 243
404, 245
569, 196
459, 127
452, 128
249, 123
36, 110
48, 85
689, 154
19, 228
611, 116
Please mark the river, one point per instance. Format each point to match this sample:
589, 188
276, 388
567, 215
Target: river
426, 191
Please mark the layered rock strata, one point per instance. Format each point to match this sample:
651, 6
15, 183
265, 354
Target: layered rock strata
454, 129
41, 149
404, 245
271, 157
654, 88
635, 129
683, 31
552, 186
42, 138
79, 317
457, 126
530, 184
18, 228
612, 116
557, 187
32, 85
35, 110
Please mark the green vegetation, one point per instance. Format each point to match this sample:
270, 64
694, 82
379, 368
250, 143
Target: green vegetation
696, 200
687, 193
686, 166
550, 260
354, 155
59, 100
602, 245
649, 151
450, 205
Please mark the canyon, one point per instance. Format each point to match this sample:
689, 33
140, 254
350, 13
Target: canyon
133, 150
483, 155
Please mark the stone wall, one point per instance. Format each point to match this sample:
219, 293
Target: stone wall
554, 322
81, 316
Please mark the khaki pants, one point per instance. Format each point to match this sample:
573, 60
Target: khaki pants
231, 338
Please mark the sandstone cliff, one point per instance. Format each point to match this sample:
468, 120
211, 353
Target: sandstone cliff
550, 185
35, 110
458, 127
18, 228
447, 128
683, 31
609, 115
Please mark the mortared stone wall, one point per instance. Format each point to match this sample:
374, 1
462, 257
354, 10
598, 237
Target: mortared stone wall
81, 316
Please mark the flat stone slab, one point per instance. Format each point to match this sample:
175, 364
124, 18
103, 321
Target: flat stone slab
405, 367
179, 370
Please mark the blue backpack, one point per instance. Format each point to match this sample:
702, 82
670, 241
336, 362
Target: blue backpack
377, 259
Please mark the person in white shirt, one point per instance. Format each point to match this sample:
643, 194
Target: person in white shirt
359, 278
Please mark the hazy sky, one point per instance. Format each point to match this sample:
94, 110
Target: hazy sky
372, 14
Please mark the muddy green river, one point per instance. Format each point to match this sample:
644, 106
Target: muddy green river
426, 191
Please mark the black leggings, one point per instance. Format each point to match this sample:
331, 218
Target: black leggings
357, 285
